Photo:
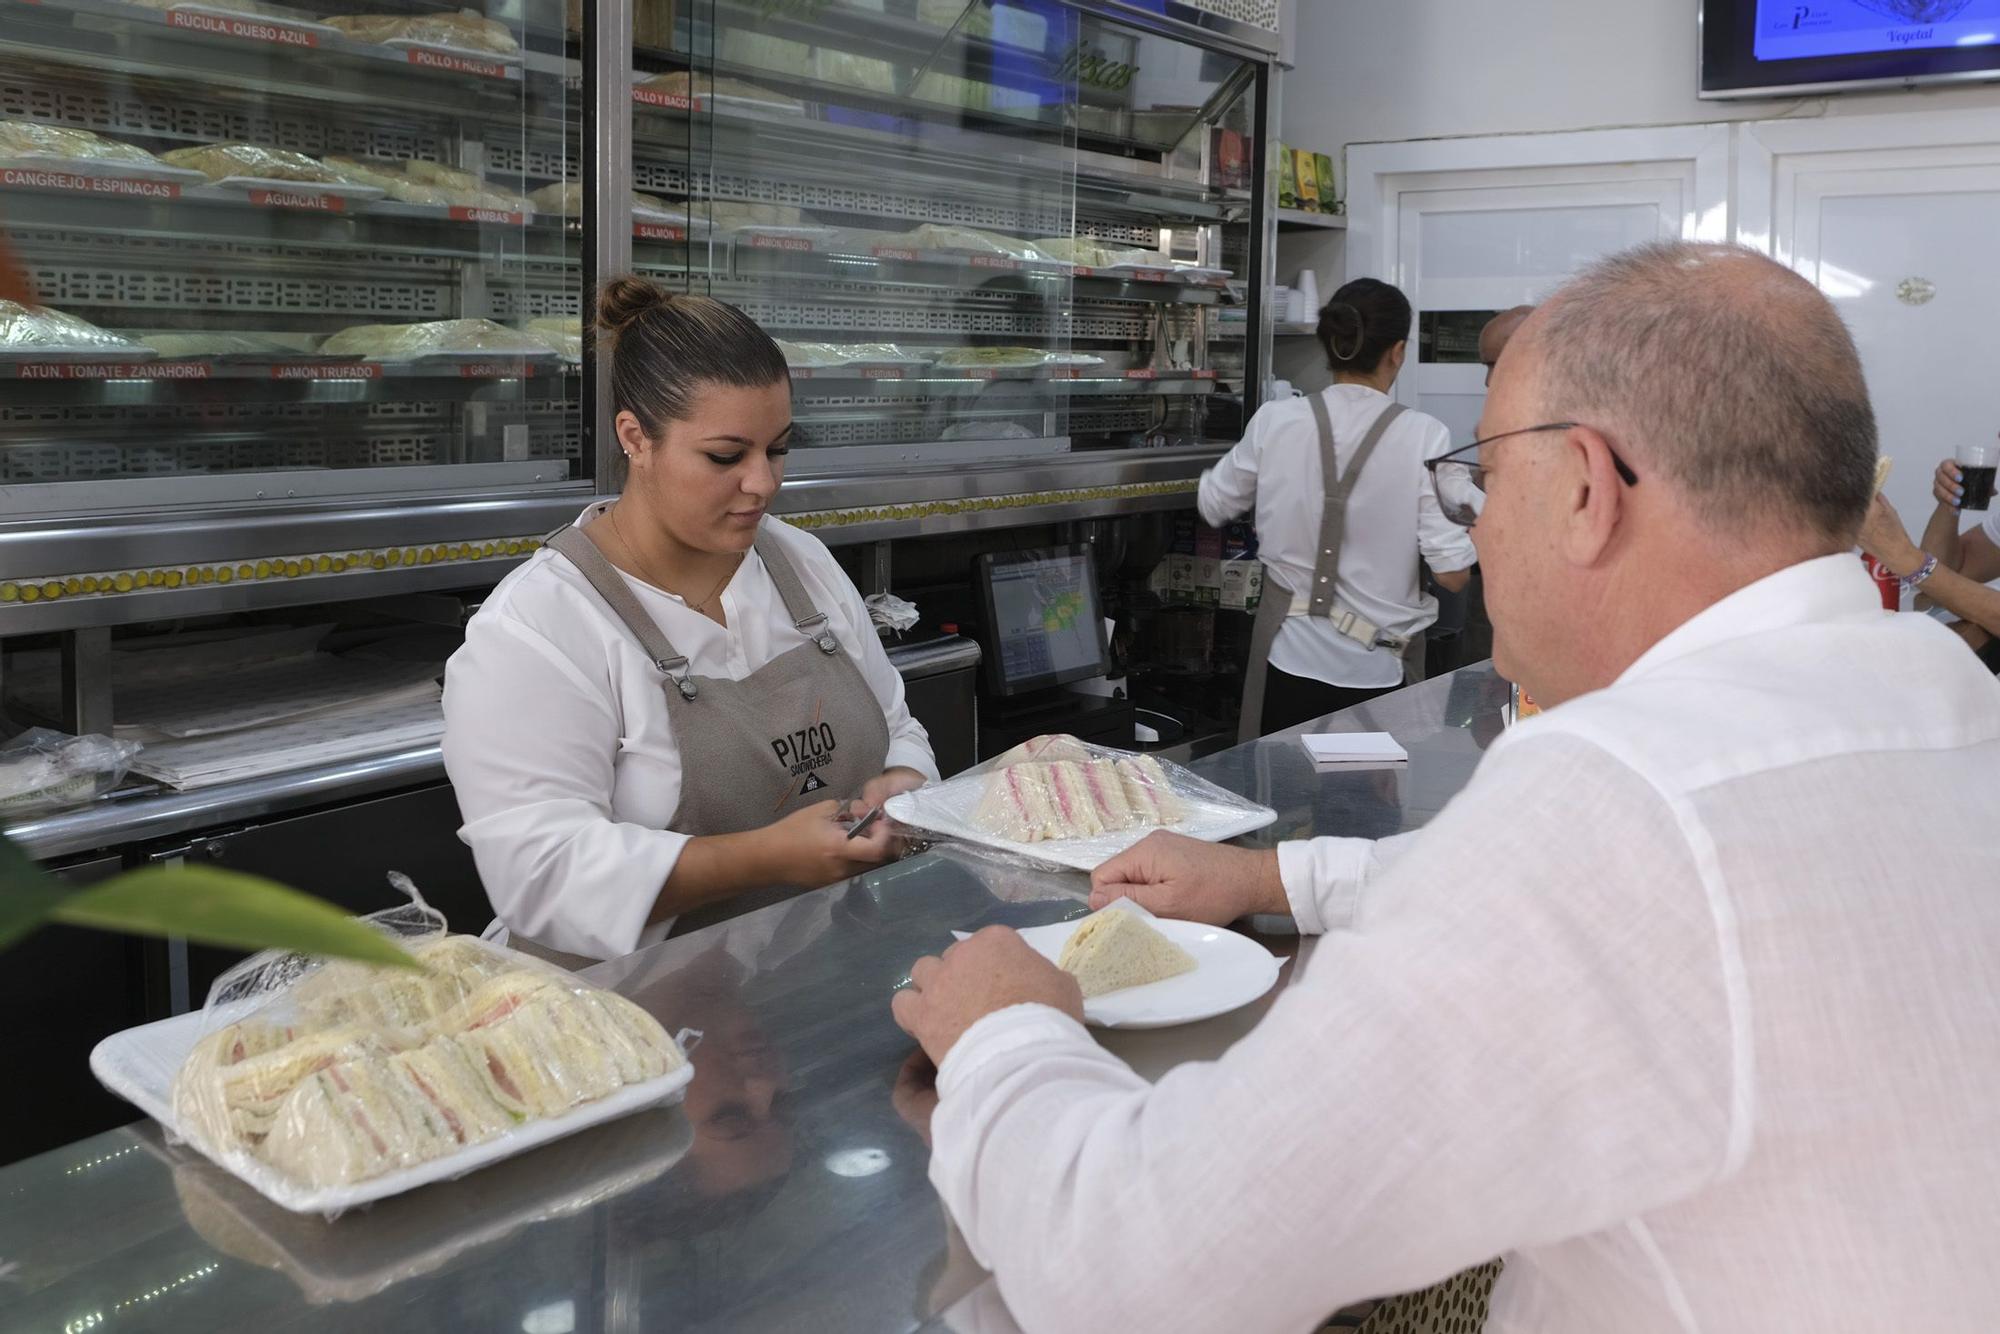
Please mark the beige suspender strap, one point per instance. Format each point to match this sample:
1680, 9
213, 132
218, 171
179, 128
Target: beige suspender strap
624, 603
809, 619
1337, 488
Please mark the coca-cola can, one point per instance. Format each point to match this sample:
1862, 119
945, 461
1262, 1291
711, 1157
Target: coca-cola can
1886, 583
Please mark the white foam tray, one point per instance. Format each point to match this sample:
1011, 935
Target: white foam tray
139, 1065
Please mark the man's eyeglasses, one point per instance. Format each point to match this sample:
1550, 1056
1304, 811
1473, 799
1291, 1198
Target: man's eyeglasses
1459, 479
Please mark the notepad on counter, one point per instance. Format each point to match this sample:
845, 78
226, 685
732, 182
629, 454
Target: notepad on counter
1353, 748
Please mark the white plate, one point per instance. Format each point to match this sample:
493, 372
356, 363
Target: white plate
1231, 970
126, 171
1213, 815
140, 1063
734, 102
341, 189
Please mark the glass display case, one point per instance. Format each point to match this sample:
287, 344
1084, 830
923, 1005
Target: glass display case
314, 274
288, 259
983, 231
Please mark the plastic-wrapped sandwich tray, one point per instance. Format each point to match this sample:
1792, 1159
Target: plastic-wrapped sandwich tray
109, 168
140, 1064
1211, 814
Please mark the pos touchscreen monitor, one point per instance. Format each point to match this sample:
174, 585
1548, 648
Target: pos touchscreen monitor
1043, 626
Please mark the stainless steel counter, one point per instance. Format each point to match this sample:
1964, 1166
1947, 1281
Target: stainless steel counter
142, 814
788, 1194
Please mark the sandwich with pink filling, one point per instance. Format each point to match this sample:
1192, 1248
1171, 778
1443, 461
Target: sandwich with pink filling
1040, 800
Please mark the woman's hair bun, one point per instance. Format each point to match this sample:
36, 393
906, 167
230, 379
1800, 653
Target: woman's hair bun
624, 300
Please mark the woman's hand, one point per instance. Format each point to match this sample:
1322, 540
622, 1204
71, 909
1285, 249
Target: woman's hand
886, 785
810, 847
1947, 485
1884, 537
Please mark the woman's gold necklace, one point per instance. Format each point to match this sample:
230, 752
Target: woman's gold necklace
633, 552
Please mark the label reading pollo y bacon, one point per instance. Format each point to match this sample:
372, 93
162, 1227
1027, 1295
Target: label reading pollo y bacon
654, 97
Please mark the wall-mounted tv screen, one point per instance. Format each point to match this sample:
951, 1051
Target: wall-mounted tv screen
1780, 48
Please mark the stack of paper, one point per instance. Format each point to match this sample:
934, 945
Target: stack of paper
1353, 748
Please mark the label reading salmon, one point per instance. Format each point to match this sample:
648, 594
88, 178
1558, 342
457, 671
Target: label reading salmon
658, 231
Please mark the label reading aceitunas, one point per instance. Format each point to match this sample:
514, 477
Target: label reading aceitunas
33, 179
298, 199
115, 370
248, 30
429, 59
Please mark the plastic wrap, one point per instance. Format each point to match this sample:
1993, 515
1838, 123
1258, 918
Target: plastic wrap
465, 30
219, 162
1093, 254
41, 770
1060, 801
1010, 358
566, 198
946, 236
20, 138
28, 330
327, 1084
221, 343
408, 342
563, 335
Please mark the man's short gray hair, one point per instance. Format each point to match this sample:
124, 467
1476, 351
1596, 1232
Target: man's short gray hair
1726, 373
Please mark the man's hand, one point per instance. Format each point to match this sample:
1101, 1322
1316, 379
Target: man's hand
1171, 875
980, 974
1884, 537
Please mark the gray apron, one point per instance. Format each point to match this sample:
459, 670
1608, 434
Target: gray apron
1275, 604
801, 729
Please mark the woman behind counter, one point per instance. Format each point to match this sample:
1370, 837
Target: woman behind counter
1343, 507
650, 721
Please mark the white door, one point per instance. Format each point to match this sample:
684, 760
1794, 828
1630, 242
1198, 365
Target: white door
1494, 245
1901, 239
1476, 225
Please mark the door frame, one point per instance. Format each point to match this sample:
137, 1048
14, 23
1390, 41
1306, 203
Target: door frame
1379, 174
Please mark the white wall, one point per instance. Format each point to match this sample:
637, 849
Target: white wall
1420, 69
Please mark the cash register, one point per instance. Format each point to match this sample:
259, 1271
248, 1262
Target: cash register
1042, 629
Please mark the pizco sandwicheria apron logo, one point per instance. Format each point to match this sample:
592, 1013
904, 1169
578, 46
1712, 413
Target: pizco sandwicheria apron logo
805, 750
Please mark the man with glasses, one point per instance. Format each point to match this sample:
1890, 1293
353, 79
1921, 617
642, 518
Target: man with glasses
1661, 1006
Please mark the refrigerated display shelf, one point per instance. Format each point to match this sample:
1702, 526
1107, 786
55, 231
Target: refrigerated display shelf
239, 48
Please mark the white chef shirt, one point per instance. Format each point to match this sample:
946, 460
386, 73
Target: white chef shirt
560, 748
1687, 1004
1392, 514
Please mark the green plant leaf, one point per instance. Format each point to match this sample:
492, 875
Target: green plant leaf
27, 894
228, 908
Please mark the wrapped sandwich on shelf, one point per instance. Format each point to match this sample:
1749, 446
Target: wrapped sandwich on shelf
566, 198
1095, 254
561, 334
467, 30
409, 342
945, 236
221, 161
1118, 948
22, 138
26, 331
